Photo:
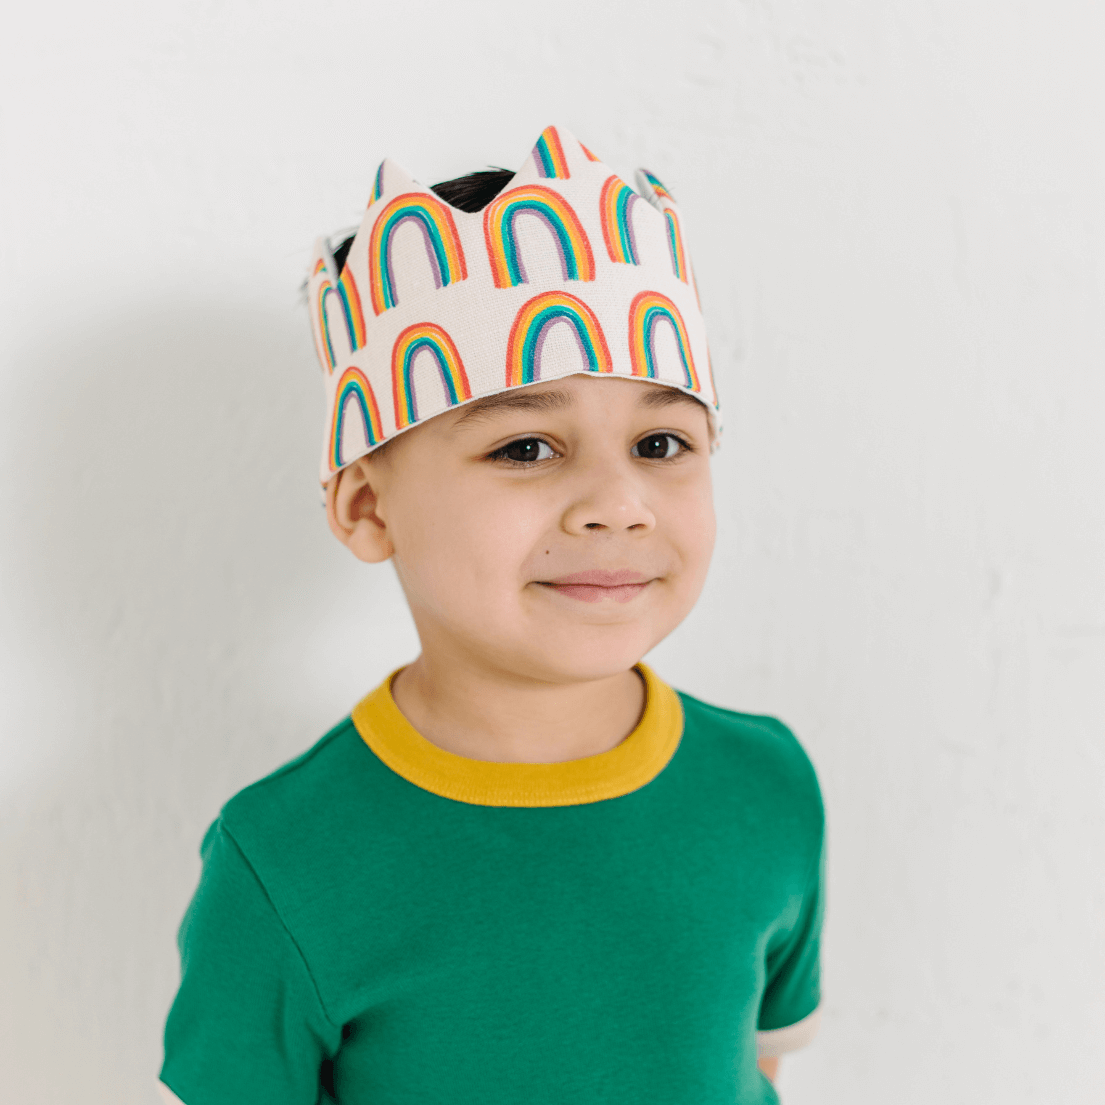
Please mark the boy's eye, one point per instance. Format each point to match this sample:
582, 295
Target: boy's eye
526, 450
658, 447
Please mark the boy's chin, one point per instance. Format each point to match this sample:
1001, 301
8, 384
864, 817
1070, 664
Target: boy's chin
585, 658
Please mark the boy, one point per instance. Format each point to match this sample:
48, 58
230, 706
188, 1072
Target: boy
524, 869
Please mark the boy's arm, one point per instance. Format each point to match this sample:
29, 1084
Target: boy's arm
774, 1043
248, 1026
790, 1012
770, 1068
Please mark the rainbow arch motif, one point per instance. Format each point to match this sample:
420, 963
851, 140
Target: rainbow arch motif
353, 388
675, 245
377, 185
412, 341
616, 211
657, 185
646, 311
439, 232
527, 336
549, 156
352, 314
590, 156
576, 259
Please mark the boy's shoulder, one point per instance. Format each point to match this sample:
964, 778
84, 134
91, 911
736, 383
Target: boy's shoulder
759, 749
755, 730
306, 787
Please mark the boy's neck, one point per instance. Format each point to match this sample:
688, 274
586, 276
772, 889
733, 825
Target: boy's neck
484, 714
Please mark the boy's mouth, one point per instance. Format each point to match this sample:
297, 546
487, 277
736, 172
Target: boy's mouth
597, 585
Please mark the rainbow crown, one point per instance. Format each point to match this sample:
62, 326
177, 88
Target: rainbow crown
436, 306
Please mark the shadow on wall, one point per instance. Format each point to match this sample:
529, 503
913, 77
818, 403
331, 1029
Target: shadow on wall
172, 579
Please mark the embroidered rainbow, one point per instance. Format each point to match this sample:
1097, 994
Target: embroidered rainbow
616, 212
675, 245
351, 312
590, 156
531, 326
576, 260
377, 185
439, 233
657, 185
425, 336
646, 311
549, 156
353, 388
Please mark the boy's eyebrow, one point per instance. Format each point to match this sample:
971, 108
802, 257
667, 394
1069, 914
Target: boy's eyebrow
661, 396
534, 402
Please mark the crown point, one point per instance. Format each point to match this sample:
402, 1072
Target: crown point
653, 189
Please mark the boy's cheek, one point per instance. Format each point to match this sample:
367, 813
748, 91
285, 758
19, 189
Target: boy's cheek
692, 520
474, 565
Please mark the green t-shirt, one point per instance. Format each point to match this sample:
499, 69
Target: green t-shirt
382, 922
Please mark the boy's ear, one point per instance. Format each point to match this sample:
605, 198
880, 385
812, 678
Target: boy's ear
351, 512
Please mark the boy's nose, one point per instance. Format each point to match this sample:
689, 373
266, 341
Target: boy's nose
608, 500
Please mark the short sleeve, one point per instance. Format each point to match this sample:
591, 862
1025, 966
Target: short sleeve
247, 1024
789, 1008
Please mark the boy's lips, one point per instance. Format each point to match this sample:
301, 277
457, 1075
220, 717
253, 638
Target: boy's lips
597, 585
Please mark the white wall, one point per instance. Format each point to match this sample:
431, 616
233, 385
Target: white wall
897, 223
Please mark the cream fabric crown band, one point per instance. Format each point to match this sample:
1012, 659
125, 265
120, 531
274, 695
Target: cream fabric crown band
567, 270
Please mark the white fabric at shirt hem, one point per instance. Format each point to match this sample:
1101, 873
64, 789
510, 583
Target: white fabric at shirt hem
168, 1096
778, 1041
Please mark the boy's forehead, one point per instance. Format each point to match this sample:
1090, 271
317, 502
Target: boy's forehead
561, 395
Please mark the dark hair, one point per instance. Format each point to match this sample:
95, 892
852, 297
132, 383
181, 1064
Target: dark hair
466, 193
474, 191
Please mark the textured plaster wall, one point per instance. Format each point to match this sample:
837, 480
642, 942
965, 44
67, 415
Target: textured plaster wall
897, 223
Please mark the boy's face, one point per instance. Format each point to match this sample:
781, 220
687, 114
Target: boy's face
556, 532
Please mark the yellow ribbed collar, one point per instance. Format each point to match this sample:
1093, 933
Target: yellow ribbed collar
629, 765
